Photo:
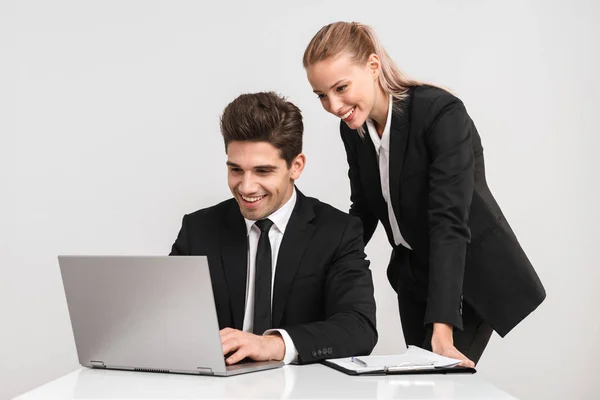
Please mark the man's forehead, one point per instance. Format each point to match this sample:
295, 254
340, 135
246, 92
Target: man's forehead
253, 153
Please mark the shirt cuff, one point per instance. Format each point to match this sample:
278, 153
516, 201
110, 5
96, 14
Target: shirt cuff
291, 353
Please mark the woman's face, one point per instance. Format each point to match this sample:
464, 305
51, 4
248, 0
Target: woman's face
346, 89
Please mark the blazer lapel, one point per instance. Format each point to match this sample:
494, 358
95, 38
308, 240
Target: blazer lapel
370, 177
234, 253
399, 131
295, 239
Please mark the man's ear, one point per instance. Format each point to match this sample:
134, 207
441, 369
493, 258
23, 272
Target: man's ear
297, 166
374, 65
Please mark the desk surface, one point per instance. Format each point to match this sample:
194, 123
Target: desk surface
308, 382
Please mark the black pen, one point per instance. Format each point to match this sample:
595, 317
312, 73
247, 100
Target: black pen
358, 361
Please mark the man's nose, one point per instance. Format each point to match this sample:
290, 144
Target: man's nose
248, 184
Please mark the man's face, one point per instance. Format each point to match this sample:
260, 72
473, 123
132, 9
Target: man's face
259, 178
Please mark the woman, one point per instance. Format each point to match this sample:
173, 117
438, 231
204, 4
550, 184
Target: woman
416, 164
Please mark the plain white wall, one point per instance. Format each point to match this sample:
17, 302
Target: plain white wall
109, 134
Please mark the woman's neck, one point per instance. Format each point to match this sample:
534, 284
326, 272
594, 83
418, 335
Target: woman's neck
379, 113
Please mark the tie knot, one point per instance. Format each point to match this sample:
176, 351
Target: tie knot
264, 224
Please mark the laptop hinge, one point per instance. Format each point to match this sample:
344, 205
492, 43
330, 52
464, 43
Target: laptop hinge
97, 364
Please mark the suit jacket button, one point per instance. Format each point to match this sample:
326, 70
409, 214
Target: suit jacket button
319, 353
329, 350
314, 353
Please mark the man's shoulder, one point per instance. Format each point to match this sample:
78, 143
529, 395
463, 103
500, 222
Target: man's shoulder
334, 229
212, 214
327, 214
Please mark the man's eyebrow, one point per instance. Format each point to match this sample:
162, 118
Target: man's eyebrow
269, 167
332, 86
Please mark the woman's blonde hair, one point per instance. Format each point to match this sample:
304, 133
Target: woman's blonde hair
360, 42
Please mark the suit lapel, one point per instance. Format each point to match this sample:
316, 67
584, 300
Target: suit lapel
234, 253
295, 239
370, 177
399, 131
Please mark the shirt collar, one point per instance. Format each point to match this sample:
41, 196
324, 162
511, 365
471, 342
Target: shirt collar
280, 218
384, 141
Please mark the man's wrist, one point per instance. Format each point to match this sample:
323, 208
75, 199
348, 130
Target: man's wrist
290, 351
277, 346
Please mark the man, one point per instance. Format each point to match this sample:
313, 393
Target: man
289, 274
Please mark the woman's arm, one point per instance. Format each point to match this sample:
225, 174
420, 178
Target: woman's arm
451, 184
358, 206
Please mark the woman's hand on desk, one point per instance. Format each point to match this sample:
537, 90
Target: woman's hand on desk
442, 343
248, 345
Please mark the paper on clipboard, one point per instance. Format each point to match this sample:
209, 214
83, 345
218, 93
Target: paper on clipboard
414, 358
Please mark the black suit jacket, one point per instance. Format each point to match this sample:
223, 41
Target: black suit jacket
323, 289
462, 244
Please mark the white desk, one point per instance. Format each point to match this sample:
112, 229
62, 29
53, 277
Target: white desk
306, 382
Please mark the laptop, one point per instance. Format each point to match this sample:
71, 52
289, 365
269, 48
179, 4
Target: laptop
146, 313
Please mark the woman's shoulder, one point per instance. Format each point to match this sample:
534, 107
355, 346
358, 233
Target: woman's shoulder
430, 96
428, 103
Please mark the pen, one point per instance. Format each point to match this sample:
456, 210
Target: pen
358, 361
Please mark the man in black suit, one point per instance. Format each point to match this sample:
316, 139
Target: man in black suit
289, 274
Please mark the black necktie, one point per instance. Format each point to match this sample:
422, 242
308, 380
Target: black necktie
262, 281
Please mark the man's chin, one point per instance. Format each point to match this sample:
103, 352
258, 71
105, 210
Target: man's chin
253, 214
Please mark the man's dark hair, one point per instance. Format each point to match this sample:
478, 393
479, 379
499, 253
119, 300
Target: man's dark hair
264, 117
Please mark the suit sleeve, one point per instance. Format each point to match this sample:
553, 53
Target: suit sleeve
358, 206
348, 327
181, 247
451, 183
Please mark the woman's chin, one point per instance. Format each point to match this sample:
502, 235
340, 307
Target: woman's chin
355, 123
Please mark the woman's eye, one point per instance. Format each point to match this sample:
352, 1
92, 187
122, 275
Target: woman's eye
341, 88
320, 96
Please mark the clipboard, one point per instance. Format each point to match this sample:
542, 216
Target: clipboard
414, 360
404, 371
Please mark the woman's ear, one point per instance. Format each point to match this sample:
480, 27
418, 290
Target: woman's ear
374, 65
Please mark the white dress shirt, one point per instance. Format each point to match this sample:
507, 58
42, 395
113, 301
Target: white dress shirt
280, 220
382, 148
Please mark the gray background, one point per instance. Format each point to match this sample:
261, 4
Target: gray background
109, 134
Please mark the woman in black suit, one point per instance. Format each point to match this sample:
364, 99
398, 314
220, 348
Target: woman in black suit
416, 164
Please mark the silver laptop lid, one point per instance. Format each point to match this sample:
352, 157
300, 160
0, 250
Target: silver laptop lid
143, 312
